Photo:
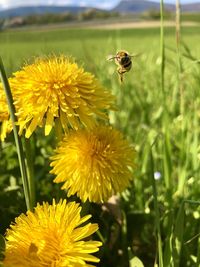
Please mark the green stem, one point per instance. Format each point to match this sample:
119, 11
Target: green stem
162, 48
30, 168
180, 86
18, 142
178, 43
165, 121
198, 252
85, 210
124, 238
157, 213
58, 130
101, 237
178, 26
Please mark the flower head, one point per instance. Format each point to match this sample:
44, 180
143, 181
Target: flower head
55, 87
5, 122
94, 164
52, 235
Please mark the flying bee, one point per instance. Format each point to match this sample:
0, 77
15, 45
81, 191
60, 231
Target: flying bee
124, 62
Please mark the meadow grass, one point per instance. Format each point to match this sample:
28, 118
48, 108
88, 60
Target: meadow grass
16, 47
166, 136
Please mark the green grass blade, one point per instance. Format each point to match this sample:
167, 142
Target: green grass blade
157, 213
179, 231
124, 238
2, 248
167, 162
198, 253
168, 255
178, 235
162, 48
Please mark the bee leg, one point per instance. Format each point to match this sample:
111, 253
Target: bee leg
121, 77
120, 73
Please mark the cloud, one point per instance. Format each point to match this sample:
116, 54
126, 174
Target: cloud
98, 3
91, 3
15, 3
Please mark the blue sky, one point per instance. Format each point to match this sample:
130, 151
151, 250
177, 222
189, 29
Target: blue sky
95, 3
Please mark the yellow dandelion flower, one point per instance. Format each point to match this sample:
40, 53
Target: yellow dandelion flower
5, 122
52, 235
55, 87
94, 164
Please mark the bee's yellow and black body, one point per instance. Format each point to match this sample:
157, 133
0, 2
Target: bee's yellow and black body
123, 60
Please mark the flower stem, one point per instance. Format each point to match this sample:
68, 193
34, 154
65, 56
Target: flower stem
17, 138
30, 168
58, 130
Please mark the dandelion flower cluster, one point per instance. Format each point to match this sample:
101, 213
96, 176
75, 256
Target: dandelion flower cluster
94, 164
52, 235
5, 122
55, 87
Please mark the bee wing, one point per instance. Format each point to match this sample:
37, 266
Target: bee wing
136, 55
110, 57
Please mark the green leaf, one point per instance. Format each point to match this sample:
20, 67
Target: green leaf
135, 262
178, 234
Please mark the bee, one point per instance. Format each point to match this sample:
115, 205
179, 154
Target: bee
124, 62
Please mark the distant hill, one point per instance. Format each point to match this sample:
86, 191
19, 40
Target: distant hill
139, 6
125, 6
38, 10
194, 7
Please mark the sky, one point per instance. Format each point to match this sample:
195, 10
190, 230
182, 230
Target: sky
92, 3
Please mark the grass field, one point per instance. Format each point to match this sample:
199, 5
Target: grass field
89, 45
162, 125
